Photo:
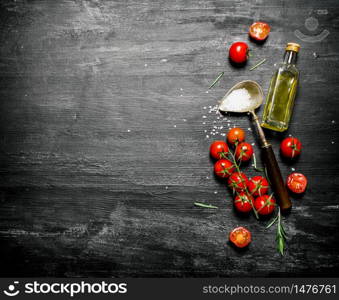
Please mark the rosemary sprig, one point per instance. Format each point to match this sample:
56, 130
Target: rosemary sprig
281, 233
216, 80
255, 164
258, 64
204, 205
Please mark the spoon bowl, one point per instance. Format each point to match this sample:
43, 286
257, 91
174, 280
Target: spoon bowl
256, 99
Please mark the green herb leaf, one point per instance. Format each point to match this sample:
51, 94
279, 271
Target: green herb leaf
272, 222
255, 164
283, 232
281, 235
204, 205
258, 64
216, 80
281, 245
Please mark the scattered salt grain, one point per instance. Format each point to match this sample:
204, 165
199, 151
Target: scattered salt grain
332, 142
128, 130
207, 136
166, 187
207, 177
333, 122
205, 107
181, 95
292, 169
181, 89
252, 144
145, 65
174, 126
204, 117
164, 60
215, 192
206, 92
205, 130
203, 123
184, 120
249, 129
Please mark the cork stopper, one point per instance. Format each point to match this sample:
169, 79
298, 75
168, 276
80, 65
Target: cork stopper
292, 47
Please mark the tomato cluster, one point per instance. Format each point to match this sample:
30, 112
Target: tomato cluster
248, 193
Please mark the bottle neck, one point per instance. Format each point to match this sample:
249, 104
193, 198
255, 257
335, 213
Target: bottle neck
290, 57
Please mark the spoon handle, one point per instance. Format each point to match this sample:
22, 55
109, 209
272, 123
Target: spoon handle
261, 133
274, 175
272, 167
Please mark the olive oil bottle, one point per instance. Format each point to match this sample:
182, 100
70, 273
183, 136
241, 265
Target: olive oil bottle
281, 94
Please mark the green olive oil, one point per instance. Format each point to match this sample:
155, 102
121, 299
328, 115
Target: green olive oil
281, 94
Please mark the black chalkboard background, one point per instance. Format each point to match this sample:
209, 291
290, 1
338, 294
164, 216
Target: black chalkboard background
103, 146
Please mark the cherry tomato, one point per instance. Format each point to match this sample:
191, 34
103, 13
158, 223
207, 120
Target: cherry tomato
242, 202
223, 168
244, 152
290, 147
240, 237
237, 182
264, 205
238, 52
297, 183
258, 186
219, 149
235, 136
259, 31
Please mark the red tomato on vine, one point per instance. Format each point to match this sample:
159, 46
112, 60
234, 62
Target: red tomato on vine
244, 152
258, 186
219, 150
223, 168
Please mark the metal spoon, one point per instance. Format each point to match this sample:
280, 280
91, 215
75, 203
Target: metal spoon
271, 164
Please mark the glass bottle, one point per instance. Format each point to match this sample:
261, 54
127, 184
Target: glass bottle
281, 94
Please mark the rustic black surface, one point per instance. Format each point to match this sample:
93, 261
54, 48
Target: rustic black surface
103, 149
